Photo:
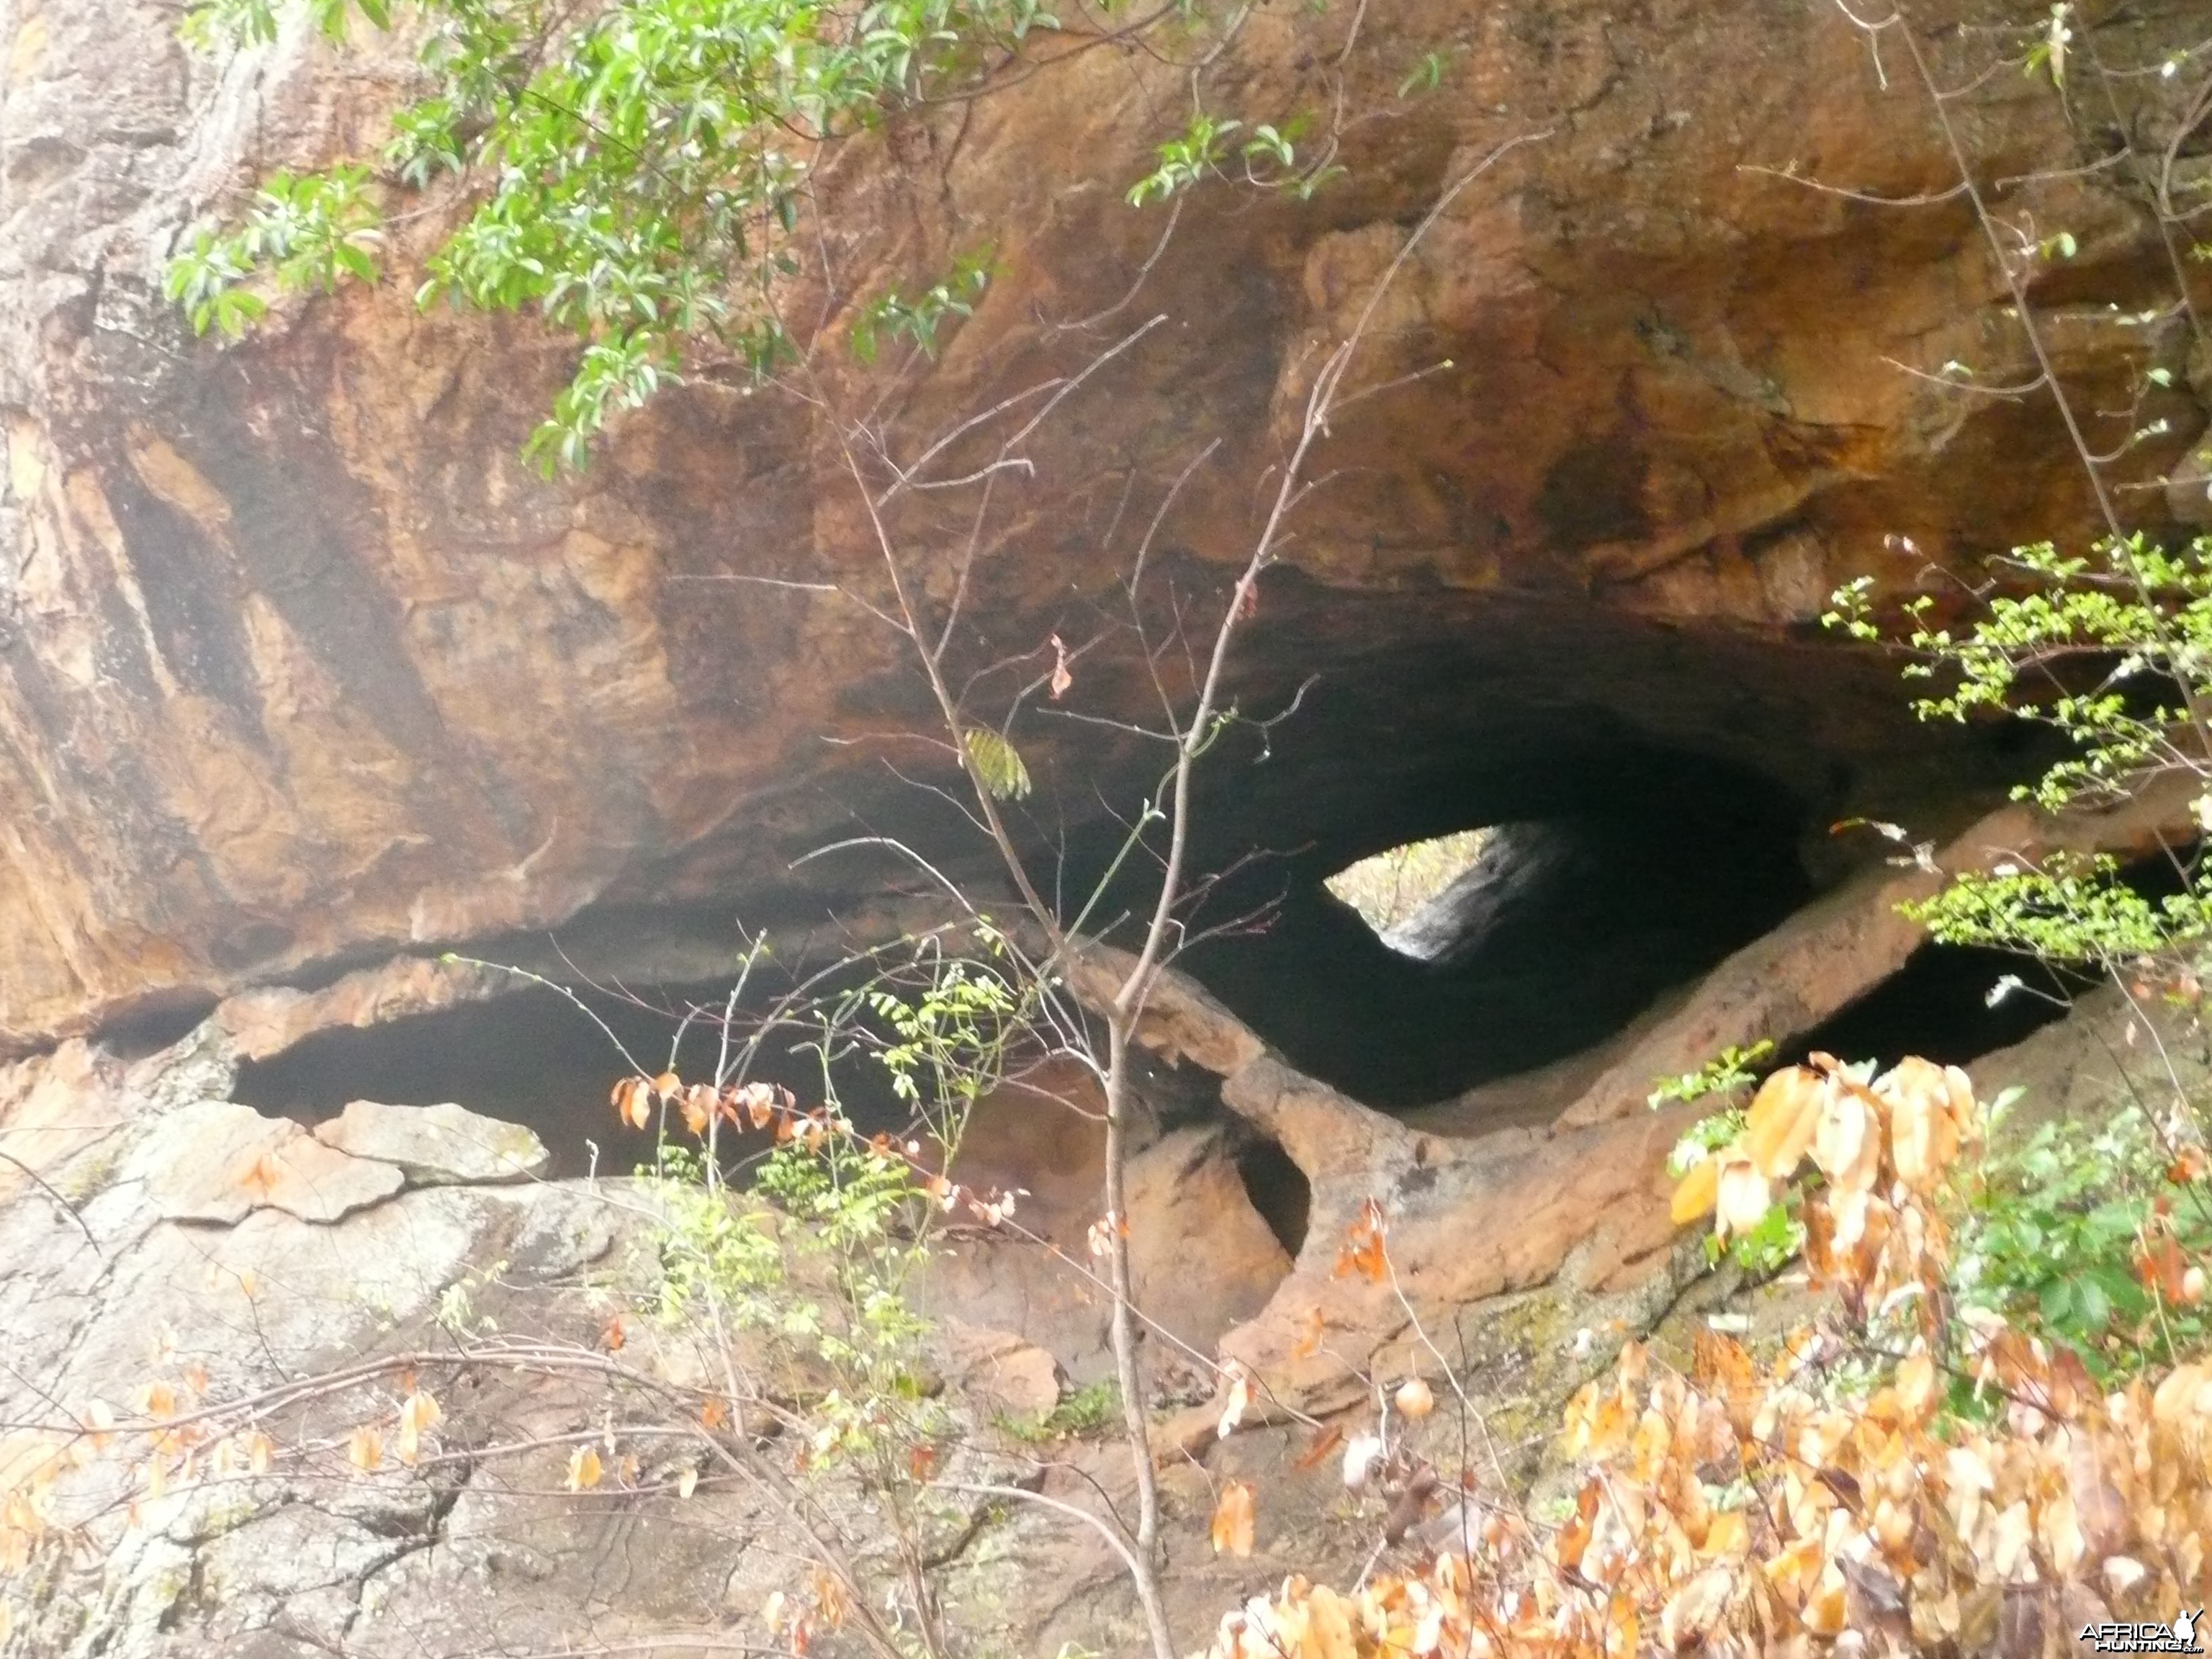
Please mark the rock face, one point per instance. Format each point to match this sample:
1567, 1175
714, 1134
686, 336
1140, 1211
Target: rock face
298, 665
436, 1146
217, 1161
304, 678
1518, 1257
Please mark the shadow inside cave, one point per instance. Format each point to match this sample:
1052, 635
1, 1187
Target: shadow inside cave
532, 1057
1561, 933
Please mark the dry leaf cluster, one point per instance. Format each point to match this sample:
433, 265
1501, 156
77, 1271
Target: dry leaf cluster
1898, 1482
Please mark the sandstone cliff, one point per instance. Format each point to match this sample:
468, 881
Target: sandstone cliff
299, 665
304, 680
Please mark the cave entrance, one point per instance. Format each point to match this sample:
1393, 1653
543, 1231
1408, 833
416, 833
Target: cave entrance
1950, 1004
530, 1057
1511, 943
1278, 1191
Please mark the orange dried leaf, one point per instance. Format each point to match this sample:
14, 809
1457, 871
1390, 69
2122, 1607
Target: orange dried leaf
2162, 1268
1323, 1444
1742, 1196
1061, 678
1234, 1404
1783, 1115
418, 1415
1697, 1192
365, 1449
760, 1104
830, 1598
1362, 1251
1847, 1145
698, 1108
633, 1102
1233, 1519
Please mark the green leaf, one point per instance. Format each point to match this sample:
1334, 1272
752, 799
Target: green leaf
998, 765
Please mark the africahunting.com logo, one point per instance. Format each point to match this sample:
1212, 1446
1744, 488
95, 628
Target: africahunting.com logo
2180, 1637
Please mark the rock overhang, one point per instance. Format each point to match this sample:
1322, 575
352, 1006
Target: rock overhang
303, 666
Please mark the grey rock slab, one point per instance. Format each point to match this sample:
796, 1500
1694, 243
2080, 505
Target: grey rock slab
446, 1145
217, 1161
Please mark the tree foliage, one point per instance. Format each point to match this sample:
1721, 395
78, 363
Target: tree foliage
2110, 651
632, 171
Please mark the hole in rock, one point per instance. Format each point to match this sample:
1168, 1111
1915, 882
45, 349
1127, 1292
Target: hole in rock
530, 1057
1938, 1007
155, 1023
1389, 889
1944, 1003
1552, 935
1278, 1191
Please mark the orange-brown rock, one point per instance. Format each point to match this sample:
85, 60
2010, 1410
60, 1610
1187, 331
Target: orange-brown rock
299, 665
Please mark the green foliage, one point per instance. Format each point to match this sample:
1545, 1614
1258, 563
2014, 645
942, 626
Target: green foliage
218, 22
2087, 1234
1732, 1070
1185, 160
640, 167
1092, 1409
1269, 154
2048, 54
951, 1042
456, 1312
1766, 1248
1426, 75
2112, 652
304, 231
2062, 1236
1707, 1135
815, 1256
2109, 650
918, 320
1761, 1250
2067, 909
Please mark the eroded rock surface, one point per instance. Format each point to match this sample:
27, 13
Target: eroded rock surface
218, 1161
436, 1145
298, 663
300, 667
273, 1256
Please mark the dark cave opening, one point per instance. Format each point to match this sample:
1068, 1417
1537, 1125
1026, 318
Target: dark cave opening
1945, 1004
156, 1022
1955, 1004
1278, 1191
532, 1057
1561, 931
